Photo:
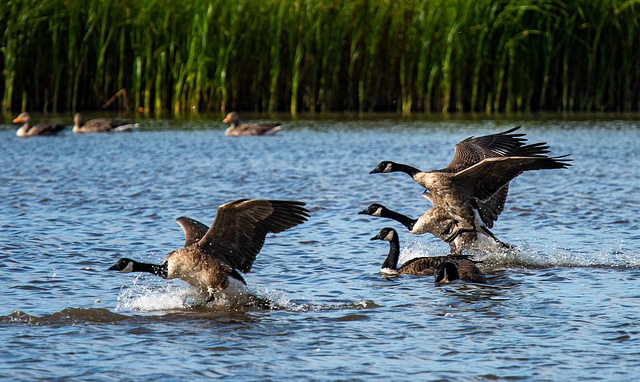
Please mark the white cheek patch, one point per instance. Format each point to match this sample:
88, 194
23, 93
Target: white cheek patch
378, 212
388, 271
128, 268
388, 168
389, 236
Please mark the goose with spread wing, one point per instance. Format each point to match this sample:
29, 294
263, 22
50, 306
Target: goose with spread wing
211, 256
474, 186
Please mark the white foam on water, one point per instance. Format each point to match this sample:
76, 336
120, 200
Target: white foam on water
535, 255
144, 295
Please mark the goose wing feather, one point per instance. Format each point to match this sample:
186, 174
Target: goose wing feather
193, 230
474, 149
240, 228
483, 180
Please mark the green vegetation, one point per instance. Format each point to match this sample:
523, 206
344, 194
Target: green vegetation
332, 55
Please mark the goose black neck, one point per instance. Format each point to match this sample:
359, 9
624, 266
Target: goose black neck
411, 171
404, 220
447, 270
159, 270
391, 262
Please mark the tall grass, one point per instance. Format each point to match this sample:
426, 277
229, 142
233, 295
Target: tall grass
312, 55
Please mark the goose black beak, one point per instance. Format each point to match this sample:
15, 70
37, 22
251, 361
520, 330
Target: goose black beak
374, 171
363, 212
112, 268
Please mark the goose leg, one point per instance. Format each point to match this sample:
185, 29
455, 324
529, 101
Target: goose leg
486, 231
211, 296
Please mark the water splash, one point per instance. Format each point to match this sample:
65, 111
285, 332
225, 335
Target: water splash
534, 256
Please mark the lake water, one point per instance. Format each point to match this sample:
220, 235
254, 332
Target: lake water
566, 306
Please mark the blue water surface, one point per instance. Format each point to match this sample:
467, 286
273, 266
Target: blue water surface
565, 306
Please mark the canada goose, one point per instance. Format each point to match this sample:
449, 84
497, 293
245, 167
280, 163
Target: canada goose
228, 246
29, 130
473, 187
102, 125
420, 266
473, 150
435, 221
459, 269
236, 129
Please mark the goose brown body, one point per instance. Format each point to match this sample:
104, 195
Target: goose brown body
436, 221
419, 266
459, 269
237, 129
40, 129
231, 244
100, 125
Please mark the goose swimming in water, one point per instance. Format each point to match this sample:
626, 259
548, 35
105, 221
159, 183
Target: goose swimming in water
236, 129
213, 255
455, 269
29, 130
420, 266
473, 188
102, 125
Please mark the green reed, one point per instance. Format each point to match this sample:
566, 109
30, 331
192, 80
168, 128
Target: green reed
312, 55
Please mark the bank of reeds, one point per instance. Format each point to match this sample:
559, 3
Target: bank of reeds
313, 55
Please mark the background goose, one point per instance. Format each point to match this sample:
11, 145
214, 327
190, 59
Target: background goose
29, 130
228, 246
421, 266
236, 129
459, 269
435, 221
101, 125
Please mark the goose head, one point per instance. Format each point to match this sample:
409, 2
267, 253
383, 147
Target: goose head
78, 120
446, 272
374, 209
232, 118
386, 234
23, 118
123, 265
384, 167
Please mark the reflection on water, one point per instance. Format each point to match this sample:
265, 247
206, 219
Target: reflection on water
563, 305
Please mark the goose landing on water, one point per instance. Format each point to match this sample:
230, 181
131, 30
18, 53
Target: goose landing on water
236, 129
101, 125
29, 130
439, 223
420, 266
473, 187
230, 245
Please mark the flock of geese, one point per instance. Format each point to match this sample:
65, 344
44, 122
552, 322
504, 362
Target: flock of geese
467, 197
106, 125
